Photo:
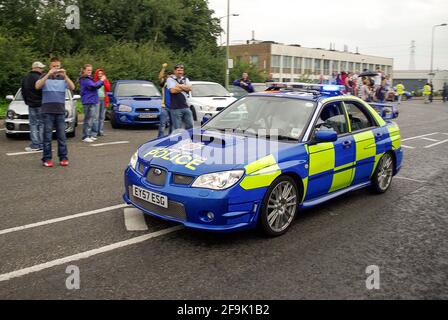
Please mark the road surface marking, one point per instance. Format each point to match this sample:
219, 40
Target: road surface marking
47, 222
407, 147
22, 153
86, 254
134, 220
422, 136
429, 139
109, 143
436, 144
403, 178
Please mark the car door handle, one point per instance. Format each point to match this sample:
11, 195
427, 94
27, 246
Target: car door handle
347, 144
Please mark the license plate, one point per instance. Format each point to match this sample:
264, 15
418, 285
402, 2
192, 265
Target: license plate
147, 116
149, 196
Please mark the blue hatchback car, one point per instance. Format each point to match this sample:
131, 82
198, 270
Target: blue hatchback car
265, 157
134, 102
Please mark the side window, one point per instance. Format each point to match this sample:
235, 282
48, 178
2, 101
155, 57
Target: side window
359, 117
333, 117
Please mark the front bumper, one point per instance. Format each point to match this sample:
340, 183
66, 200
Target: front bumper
189, 206
23, 126
132, 118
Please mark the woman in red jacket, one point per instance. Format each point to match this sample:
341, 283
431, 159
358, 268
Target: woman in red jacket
104, 101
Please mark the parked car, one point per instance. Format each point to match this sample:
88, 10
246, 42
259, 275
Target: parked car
237, 92
17, 116
134, 102
208, 98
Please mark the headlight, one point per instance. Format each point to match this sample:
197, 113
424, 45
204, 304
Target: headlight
134, 160
219, 180
11, 115
208, 108
124, 108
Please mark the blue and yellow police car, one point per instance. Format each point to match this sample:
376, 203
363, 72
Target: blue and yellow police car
264, 158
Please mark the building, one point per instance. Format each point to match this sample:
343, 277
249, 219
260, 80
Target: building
293, 63
414, 80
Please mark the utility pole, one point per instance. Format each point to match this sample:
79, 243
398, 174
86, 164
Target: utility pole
228, 45
412, 59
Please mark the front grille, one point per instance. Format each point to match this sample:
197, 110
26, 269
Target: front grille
153, 178
220, 109
137, 119
24, 127
23, 117
183, 180
147, 110
175, 209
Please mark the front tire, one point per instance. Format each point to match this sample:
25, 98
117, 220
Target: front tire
113, 121
193, 111
279, 208
382, 177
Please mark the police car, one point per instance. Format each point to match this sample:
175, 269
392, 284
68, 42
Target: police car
264, 158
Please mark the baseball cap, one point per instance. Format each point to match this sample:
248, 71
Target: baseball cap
38, 64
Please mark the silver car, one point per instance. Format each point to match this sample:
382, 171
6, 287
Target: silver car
17, 118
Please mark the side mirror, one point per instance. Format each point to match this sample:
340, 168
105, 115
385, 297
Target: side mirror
326, 136
205, 119
76, 97
10, 97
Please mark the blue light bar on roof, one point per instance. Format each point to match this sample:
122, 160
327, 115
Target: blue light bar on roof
322, 88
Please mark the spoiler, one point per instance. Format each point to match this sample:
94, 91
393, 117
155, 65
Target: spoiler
387, 111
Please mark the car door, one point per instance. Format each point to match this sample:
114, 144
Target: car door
331, 163
370, 140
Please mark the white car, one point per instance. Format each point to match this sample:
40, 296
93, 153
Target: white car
17, 117
208, 98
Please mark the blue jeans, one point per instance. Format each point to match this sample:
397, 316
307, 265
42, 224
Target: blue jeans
90, 121
56, 121
164, 122
180, 116
36, 128
98, 126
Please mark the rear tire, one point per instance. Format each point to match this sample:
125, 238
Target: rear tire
382, 177
279, 207
193, 111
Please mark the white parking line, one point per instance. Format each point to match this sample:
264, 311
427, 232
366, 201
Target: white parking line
407, 147
417, 137
47, 222
22, 153
403, 178
2, 129
436, 144
134, 220
429, 139
109, 143
86, 254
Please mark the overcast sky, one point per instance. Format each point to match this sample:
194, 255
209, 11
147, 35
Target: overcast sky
378, 27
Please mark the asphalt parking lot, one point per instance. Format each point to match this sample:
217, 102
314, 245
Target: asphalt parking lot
51, 218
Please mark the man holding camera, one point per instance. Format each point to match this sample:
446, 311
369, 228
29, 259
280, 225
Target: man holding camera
53, 85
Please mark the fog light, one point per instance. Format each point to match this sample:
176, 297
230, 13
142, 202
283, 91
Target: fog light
10, 126
210, 216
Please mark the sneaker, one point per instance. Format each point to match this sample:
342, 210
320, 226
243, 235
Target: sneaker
88, 140
64, 163
94, 138
29, 149
48, 164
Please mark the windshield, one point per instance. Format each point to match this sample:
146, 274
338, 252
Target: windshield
137, 90
285, 118
209, 90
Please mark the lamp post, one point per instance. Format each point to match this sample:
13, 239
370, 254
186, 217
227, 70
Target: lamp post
220, 18
431, 72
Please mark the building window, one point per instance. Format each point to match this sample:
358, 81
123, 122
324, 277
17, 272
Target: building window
286, 80
297, 65
372, 67
253, 60
275, 64
351, 67
287, 64
358, 68
317, 66
326, 67
308, 66
335, 66
343, 65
